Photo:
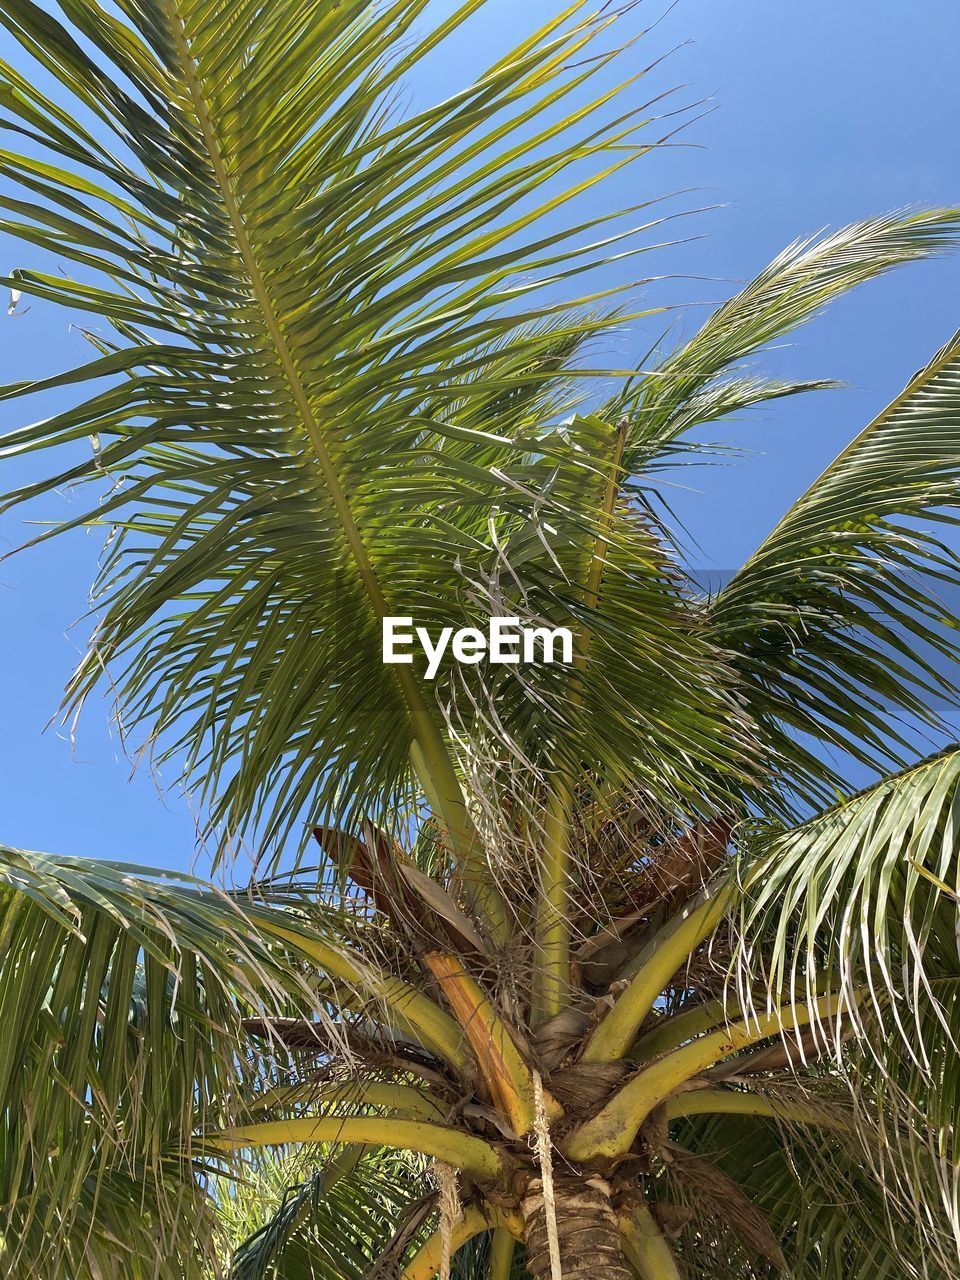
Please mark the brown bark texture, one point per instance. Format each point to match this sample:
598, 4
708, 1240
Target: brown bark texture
587, 1229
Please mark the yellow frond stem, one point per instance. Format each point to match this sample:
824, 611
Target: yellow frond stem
678, 1029
645, 1247
426, 1264
502, 1249
551, 983
507, 1074
461, 1150
402, 1100
675, 943
612, 1131
436, 1029
731, 1102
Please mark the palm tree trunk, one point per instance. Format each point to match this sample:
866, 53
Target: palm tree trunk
588, 1232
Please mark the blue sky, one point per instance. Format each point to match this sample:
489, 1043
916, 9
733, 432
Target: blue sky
821, 113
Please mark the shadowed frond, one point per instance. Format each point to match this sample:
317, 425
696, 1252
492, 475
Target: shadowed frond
121, 1221
819, 1196
331, 1224
121, 999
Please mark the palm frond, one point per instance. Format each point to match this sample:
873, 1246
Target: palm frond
698, 383
320, 1222
121, 1221
836, 623
122, 999
853, 899
820, 1196
728, 398
335, 354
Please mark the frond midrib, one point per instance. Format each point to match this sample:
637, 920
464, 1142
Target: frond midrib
272, 320
425, 729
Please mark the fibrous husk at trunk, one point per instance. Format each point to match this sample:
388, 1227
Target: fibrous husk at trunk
290, 1033
555, 1039
683, 867
588, 1231
582, 1088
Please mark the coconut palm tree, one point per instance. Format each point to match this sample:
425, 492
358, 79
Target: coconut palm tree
596, 967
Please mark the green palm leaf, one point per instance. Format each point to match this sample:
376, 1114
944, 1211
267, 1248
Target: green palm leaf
119, 1223
339, 1220
693, 385
328, 1222
122, 999
822, 1199
836, 621
853, 900
338, 387
328, 404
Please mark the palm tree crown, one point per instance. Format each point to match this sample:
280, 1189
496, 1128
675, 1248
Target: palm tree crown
593, 968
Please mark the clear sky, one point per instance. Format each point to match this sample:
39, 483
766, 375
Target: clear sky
822, 113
